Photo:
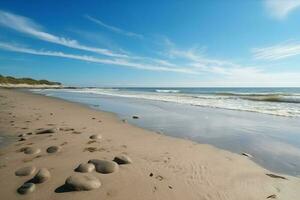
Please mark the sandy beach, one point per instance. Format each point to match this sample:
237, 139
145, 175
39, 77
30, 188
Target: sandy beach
154, 166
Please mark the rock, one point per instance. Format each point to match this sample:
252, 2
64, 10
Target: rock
104, 166
46, 131
96, 137
53, 149
32, 150
80, 182
135, 117
122, 159
22, 135
26, 188
85, 167
25, 171
247, 155
42, 176
273, 196
276, 176
22, 139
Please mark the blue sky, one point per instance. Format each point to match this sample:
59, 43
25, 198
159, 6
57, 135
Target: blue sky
155, 43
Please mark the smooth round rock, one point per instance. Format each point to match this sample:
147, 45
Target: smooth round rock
53, 149
42, 176
104, 166
32, 150
25, 171
26, 188
85, 167
96, 137
122, 159
80, 182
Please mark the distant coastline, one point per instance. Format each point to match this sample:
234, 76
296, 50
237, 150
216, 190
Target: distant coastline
12, 82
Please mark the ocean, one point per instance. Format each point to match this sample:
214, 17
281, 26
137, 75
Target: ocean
274, 101
264, 122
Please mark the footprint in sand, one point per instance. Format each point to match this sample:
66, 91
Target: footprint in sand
66, 129
31, 150
91, 142
46, 131
53, 149
64, 143
76, 132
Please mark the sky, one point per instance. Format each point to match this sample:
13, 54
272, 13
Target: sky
133, 43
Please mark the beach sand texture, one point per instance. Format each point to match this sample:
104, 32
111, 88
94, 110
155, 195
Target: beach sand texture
52, 139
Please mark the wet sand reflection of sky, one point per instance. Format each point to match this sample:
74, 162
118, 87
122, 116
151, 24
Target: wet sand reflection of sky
273, 141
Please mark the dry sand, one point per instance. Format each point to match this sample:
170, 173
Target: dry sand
162, 167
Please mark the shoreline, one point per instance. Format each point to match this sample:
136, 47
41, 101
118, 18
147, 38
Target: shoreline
181, 168
266, 137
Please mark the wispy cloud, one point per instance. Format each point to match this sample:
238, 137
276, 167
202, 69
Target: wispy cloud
28, 26
174, 59
113, 28
277, 52
195, 59
119, 62
232, 75
280, 9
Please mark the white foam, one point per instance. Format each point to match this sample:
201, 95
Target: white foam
232, 102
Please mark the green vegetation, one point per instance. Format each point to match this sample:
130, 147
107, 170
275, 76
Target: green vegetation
29, 81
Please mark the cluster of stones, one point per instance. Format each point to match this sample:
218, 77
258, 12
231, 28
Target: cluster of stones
76, 182
41, 176
80, 182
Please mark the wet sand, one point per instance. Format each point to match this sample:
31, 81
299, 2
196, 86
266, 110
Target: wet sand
161, 167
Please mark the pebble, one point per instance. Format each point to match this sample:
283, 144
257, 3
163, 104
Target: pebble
122, 159
85, 167
26, 188
79, 182
25, 171
42, 176
96, 137
104, 166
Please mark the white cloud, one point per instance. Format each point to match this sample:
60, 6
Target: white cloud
277, 52
281, 8
230, 76
113, 28
119, 62
198, 62
191, 61
27, 26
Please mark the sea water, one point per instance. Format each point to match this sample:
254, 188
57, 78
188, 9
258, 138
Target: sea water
264, 122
